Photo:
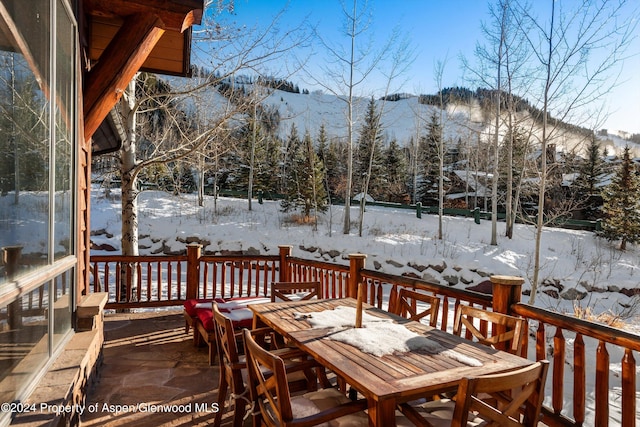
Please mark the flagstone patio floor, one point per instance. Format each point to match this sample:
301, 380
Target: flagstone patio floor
152, 375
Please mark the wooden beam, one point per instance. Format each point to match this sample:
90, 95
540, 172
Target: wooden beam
177, 15
117, 65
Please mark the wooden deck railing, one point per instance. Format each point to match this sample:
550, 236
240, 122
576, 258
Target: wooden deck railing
236, 276
382, 291
140, 281
333, 277
556, 337
153, 281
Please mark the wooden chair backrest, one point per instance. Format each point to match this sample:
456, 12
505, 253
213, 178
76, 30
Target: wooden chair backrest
282, 290
513, 393
228, 349
271, 392
506, 330
407, 307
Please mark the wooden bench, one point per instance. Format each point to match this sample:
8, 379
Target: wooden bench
198, 316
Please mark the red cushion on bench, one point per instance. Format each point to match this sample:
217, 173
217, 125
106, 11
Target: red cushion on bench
206, 318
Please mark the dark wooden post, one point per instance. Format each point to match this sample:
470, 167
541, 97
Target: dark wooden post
356, 264
193, 269
285, 270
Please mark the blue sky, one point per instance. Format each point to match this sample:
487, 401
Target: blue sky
439, 30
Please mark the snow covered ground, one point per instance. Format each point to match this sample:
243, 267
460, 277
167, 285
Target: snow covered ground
575, 264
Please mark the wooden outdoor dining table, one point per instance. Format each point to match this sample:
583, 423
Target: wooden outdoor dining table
391, 379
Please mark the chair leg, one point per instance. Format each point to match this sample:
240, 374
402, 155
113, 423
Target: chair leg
222, 396
342, 385
239, 410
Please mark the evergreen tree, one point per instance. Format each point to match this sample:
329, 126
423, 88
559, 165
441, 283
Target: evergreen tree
305, 189
290, 148
589, 174
323, 154
334, 165
322, 143
263, 162
369, 156
397, 172
428, 160
622, 205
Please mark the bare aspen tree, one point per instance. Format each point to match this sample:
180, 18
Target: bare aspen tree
502, 66
229, 52
574, 77
254, 134
496, 135
438, 72
347, 69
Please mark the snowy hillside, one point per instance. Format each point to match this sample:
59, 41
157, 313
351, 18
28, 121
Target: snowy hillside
406, 118
403, 119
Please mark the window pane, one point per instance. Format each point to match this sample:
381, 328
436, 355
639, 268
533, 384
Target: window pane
24, 149
24, 341
65, 126
62, 307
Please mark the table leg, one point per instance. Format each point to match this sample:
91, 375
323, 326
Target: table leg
257, 322
382, 413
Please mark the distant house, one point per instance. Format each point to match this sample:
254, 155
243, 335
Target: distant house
474, 187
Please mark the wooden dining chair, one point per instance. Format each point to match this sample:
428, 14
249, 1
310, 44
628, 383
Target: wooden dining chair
276, 407
516, 401
416, 306
476, 321
284, 291
233, 365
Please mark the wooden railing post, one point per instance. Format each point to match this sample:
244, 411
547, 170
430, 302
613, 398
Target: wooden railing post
356, 265
285, 270
193, 269
506, 291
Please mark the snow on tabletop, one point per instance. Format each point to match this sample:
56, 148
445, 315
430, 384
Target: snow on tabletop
377, 336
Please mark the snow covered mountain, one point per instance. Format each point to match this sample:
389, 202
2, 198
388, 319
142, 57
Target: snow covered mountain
404, 119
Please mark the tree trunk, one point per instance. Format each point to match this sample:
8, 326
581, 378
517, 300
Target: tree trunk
129, 174
496, 151
252, 156
200, 180
543, 167
346, 225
